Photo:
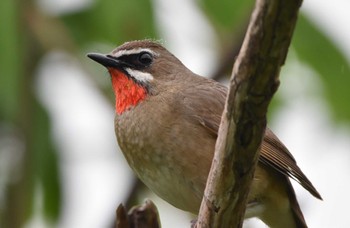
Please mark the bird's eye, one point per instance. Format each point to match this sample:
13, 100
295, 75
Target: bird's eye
145, 58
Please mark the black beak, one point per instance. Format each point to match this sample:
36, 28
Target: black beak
105, 60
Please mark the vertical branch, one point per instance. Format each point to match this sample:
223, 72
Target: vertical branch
254, 80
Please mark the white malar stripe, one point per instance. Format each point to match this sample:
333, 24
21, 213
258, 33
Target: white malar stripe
133, 51
139, 75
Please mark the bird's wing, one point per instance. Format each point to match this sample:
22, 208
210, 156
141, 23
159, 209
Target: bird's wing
276, 155
205, 104
273, 153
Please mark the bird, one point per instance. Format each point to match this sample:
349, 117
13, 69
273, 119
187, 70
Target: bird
166, 124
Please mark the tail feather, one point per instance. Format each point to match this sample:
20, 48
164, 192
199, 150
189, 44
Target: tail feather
285, 212
295, 208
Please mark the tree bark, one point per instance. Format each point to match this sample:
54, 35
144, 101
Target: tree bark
254, 80
142, 216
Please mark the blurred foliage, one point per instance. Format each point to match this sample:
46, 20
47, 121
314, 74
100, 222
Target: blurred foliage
9, 59
44, 162
316, 49
228, 16
28, 33
112, 22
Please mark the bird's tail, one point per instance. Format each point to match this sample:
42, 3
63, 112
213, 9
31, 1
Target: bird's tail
295, 208
284, 214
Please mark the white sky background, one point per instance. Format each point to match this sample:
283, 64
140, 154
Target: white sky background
95, 176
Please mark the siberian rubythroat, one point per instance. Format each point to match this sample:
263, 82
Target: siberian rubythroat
166, 123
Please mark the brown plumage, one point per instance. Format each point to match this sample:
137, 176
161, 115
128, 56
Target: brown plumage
168, 136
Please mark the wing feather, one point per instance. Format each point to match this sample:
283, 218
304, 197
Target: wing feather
206, 106
276, 155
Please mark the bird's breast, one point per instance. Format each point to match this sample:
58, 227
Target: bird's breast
169, 155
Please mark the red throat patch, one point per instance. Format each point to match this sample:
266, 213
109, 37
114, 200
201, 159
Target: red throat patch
127, 93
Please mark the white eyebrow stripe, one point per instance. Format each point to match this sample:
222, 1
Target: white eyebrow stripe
133, 51
139, 75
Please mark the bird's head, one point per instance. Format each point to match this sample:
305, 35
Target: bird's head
138, 69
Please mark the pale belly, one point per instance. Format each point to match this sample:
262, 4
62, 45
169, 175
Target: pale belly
166, 177
172, 166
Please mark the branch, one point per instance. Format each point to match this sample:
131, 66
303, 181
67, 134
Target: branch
142, 216
254, 80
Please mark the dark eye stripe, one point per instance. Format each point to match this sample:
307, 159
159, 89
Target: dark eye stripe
134, 60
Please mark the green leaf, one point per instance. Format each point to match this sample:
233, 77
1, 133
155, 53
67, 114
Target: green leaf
10, 60
227, 16
111, 21
316, 49
45, 162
